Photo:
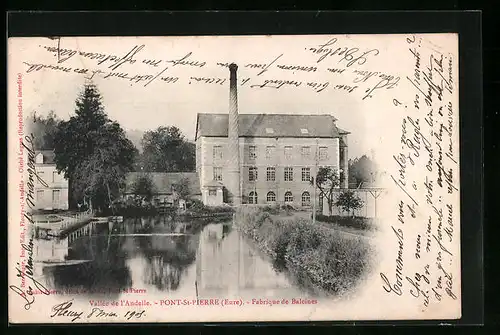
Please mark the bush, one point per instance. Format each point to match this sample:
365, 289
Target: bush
272, 209
349, 201
280, 248
133, 210
362, 223
196, 205
314, 255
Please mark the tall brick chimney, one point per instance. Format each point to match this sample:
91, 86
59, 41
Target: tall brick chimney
344, 160
233, 164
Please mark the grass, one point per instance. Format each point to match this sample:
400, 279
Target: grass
317, 257
360, 223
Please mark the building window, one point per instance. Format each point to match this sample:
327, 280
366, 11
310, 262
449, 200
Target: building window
252, 173
54, 176
39, 159
269, 152
323, 153
306, 174
212, 193
288, 196
218, 173
306, 152
40, 176
288, 174
271, 174
217, 152
288, 152
271, 196
252, 197
252, 152
56, 196
306, 199
39, 195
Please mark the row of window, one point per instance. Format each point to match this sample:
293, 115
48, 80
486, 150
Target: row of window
56, 195
288, 197
270, 173
305, 152
55, 176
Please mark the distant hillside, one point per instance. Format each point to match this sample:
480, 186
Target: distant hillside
135, 136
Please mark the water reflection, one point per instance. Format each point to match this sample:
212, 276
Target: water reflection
158, 254
168, 258
228, 265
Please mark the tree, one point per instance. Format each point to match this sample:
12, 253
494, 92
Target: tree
327, 181
182, 188
44, 130
93, 151
349, 201
361, 170
143, 186
166, 150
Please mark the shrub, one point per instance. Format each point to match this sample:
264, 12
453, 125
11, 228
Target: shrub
196, 205
143, 186
272, 209
314, 255
349, 201
362, 223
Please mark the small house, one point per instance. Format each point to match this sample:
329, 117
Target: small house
166, 187
51, 186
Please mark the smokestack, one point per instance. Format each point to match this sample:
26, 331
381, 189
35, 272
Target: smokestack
233, 183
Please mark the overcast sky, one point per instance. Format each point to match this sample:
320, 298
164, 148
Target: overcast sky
161, 104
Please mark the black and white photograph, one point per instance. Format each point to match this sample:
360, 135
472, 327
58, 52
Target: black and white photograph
233, 178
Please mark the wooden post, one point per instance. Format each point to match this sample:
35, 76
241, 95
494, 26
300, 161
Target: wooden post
314, 202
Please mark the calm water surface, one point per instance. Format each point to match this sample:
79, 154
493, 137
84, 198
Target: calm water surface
159, 256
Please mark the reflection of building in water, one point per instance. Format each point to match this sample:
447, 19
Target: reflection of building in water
83, 231
50, 249
163, 274
167, 255
53, 250
226, 263
94, 260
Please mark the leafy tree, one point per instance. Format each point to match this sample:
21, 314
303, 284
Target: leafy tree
328, 180
93, 151
143, 186
349, 201
361, 170
182, 188
166, 150
43, 129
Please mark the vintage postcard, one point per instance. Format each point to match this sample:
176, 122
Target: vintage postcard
233, 178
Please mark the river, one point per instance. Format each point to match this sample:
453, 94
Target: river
158, 255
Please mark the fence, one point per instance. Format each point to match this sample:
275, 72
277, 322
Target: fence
76, 219
370, 198
64, 221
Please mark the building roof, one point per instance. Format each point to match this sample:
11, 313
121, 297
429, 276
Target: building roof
164, 181
365, 185
269, 125
343, 132
48, 156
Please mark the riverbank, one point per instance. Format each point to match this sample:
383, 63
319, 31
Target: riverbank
195, 213
316, 256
